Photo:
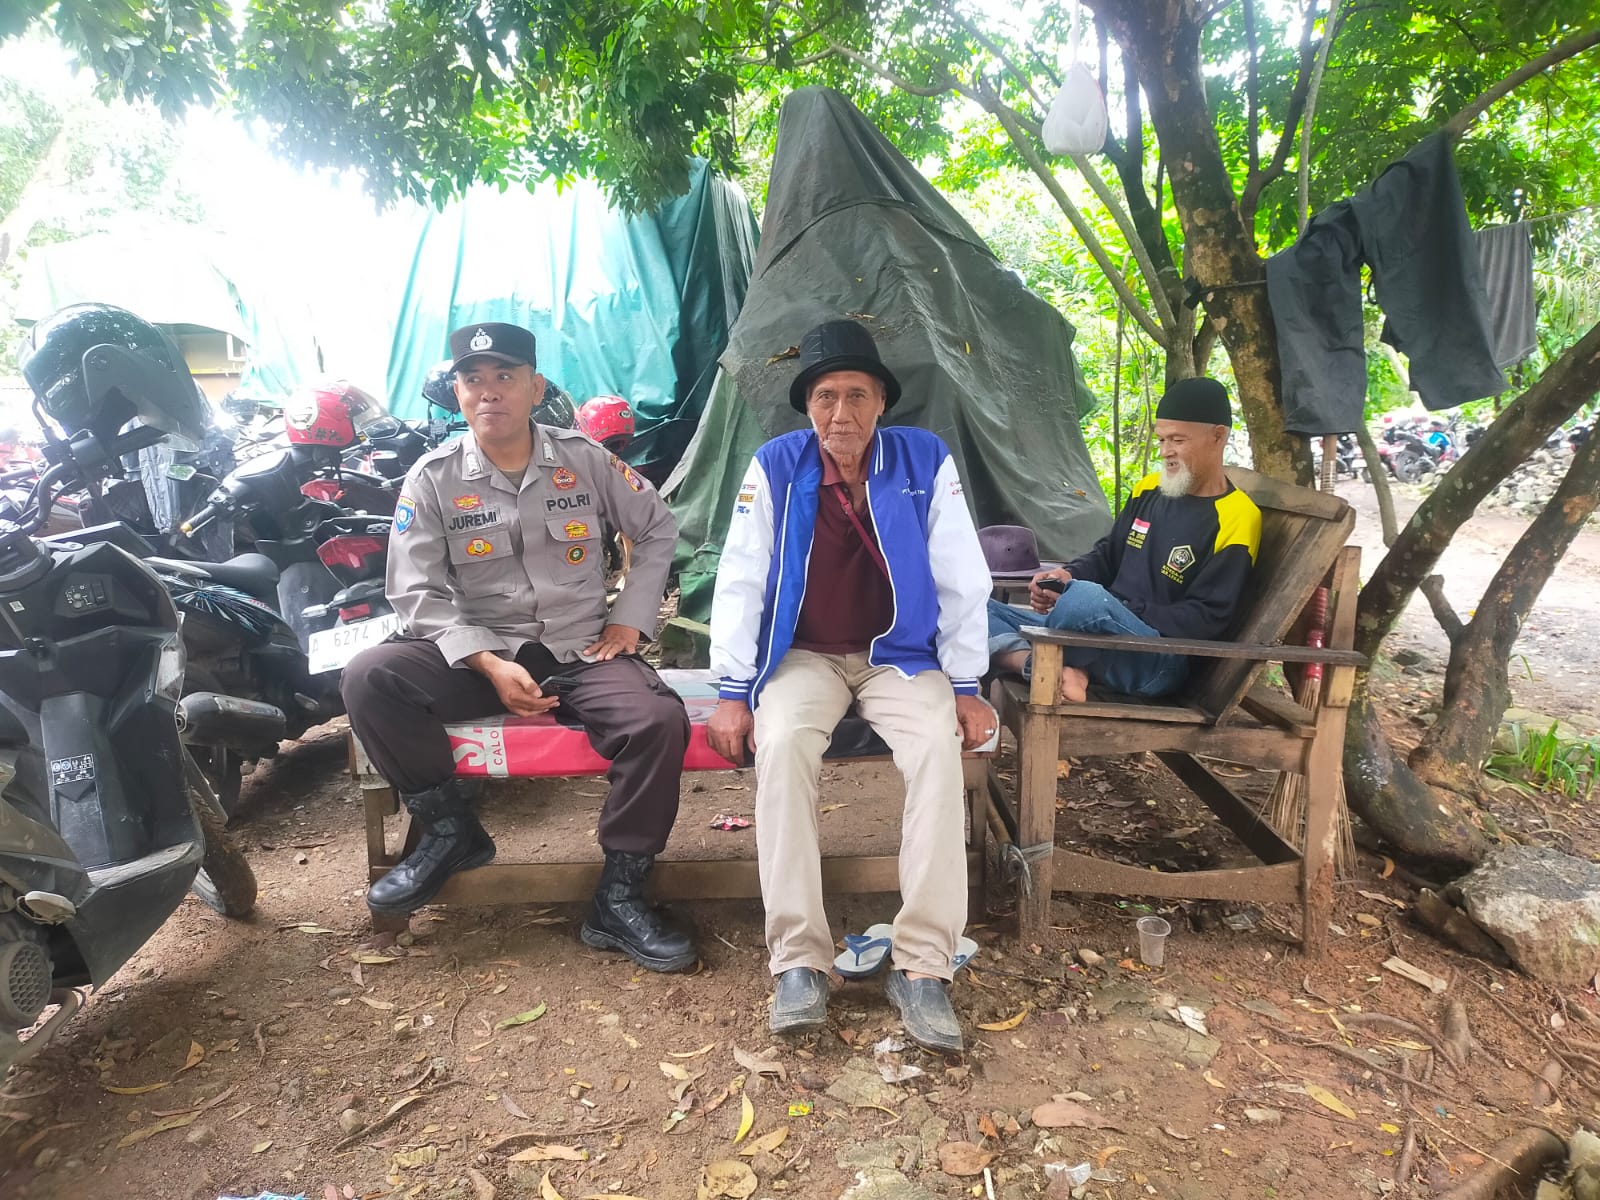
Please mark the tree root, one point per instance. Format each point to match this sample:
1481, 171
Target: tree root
1400, 1025
1458, 1040
1408, 1148
1368, 1064
1513, 1161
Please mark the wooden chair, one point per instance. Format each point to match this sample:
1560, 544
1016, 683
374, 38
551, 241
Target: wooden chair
1224, 713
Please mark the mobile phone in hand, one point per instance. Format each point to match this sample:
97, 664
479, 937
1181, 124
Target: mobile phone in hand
1052, 585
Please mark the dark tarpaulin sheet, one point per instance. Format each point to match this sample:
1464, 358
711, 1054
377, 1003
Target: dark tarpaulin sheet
633, 306
851, 229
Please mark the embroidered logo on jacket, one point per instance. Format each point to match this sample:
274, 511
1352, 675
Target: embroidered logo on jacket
564, 479
470, 501
576, 554
478, 547
1137, 533
575, 530
405, 512
1179, 561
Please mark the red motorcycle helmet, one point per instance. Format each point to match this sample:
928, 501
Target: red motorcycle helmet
329, 414
609, 421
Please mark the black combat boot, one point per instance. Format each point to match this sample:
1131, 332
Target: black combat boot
622, 919
452, 840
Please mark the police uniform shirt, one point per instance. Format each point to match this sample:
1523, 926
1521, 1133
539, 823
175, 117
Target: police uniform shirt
477, 562
1179, 563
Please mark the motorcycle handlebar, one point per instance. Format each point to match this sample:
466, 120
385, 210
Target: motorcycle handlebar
200, 520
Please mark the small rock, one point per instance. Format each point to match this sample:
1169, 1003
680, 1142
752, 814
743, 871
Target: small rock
406, 938
1583, 1149
1089, 958
342, 992
46, 1158
350, 1121
200, 1135
1549, 1190
1263, 1116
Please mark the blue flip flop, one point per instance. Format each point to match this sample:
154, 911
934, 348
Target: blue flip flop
865, 954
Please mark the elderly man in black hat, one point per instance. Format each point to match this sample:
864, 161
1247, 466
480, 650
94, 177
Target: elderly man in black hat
1175, 563
852, 574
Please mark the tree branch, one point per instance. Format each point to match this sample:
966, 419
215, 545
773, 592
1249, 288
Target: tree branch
948, 84
1255, 184
1141, 255
1308, 120
1019, 139
1433, 588
1252, 96
993, 48
1559, 53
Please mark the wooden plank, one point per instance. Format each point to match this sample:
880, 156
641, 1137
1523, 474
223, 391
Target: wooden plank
378, 803
1192, 648
1274, 708
1247, 825
1262, 885
1164, 713
1037, 749
1342, 605
673, 879
1268, 492
1265, 748
1046, 684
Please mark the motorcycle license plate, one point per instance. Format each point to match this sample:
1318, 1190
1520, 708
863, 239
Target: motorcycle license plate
332, 649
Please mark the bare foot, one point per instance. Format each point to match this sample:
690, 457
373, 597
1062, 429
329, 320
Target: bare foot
1012, 661
1074, 685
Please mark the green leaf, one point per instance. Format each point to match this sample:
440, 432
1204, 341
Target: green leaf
523, 1018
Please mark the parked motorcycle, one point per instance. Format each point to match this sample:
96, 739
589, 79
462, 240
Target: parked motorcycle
105, 821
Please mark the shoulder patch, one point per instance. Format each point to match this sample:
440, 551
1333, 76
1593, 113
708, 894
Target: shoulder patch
635, 480
405, 512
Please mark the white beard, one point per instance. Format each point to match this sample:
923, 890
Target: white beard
1176, 482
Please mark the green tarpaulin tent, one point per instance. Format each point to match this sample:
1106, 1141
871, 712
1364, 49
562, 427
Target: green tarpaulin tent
851, 229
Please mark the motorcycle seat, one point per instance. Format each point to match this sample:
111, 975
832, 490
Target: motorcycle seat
253, 574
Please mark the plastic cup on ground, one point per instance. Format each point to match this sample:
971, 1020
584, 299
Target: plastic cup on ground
1153, 940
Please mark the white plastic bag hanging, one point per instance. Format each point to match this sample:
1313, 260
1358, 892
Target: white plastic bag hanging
1077, 120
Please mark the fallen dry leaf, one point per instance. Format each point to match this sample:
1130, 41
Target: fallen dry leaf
1008, 1023
760, 1065
1213, 1080
547, 1190
1105, 1155
964, 1158
706, 1049
136, 1091
380, 1005
1173, 1133
674, 1071
512, 1107
1328, 1100
828, 808
373, 960
139, 1135
197, 1055
767, 1142
1370, 921
1066, 1114
620, 1084
1416, 974
422, 1156
747, 1118
546, 1152
263, 1147
987, 1128
1388, 867
727, 1177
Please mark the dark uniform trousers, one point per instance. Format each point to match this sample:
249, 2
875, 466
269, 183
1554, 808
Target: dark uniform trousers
401, 694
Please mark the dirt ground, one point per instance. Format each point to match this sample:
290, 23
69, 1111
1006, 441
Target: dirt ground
276, 1047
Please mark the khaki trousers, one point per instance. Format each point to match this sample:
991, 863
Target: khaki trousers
794, 719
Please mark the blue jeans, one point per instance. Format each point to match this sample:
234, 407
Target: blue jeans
1088, 608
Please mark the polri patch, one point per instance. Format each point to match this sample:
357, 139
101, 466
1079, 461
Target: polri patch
564, 479
628, 473
405, 512
469, 501
478, 547
575, 530
576, 554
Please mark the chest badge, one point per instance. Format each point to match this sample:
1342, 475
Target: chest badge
478, 547
1178, 561
564, 479
468, 502
576, 554
1136, 535
575, 530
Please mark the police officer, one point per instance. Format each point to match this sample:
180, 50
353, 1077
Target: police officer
497, 569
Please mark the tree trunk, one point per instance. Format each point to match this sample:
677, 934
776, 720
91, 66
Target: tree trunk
1566, 385
1477, 687
1405, 812
1164, 42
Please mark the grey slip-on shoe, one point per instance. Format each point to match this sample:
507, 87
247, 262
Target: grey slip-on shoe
924, 1006
799, 1001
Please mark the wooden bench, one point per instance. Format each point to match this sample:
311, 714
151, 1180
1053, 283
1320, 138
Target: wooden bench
1225, 712
545, 747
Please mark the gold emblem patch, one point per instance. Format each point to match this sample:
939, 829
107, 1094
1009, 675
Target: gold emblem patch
478, 547
576, 554
564, 479
575, 530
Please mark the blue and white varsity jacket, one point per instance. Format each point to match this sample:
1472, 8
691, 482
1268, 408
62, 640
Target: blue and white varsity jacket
937, 570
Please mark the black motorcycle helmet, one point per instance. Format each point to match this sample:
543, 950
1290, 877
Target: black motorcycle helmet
141, 376
439, 387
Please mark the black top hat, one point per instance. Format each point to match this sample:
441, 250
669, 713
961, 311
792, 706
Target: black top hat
840, 346
492, 339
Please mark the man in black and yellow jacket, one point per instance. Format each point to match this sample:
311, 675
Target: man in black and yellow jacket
1175, 564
